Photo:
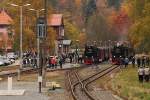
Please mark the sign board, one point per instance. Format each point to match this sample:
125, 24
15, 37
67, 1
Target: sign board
9, 83
41, 27
39, 78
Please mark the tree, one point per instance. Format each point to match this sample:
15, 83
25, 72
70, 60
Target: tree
50, 41
82, 39
140, 32
114, 3
71, 31
97, 28
89, 9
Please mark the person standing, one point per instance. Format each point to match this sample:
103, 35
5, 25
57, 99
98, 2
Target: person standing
141, 74
50, 64
53, 62
146, 73
143, 61
138, 62
133, 61
70, 56
60, 62
147, 61
121, 62
126, 62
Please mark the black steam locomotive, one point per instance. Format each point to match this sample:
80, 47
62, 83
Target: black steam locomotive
121, 52
95, 55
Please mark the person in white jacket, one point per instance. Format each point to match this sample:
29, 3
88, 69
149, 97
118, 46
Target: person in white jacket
146, 73
141, 74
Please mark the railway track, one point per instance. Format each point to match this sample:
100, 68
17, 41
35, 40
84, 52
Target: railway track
15, 72
33, 70
79, 87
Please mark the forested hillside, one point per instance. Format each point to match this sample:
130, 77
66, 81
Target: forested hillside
89, 15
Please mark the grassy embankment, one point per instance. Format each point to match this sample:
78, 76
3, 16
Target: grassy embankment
126, 84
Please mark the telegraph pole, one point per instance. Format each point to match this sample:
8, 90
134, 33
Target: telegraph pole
21, 30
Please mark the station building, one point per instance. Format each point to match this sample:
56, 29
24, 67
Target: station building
6, 32
56, 21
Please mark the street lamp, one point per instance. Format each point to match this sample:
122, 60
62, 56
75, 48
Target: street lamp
21, 29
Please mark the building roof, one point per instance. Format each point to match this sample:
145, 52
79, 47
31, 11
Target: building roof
66, 42
5, 18
55, 20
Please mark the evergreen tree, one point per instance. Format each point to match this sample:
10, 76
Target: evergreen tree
89, 8
114, 3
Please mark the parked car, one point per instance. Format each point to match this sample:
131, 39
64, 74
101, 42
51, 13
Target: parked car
6, 61
1, 62
12, 55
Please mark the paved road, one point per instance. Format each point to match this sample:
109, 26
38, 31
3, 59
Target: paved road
32, 90
30, 94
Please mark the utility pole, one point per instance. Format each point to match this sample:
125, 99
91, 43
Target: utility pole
21, 54
21, 30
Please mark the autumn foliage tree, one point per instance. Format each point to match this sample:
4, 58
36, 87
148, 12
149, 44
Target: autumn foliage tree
120, 23
140, 32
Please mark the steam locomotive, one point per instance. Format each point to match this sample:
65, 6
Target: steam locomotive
95, 55
120, 52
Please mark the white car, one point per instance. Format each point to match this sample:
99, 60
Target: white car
1, 62
6, 61
12, 55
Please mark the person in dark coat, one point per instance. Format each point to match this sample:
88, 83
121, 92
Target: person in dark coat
147, 61
60, 62
126, 61
143, 61
133, 61
70, 57
138, 62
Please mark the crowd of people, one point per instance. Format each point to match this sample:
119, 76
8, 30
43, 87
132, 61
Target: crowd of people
143, 65
141, 61
30, 59
54, 61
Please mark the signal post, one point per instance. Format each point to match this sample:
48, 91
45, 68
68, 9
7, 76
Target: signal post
41, 35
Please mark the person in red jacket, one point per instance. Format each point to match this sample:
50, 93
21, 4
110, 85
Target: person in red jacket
53, 62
